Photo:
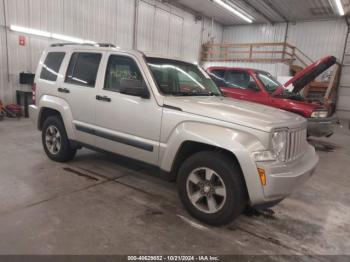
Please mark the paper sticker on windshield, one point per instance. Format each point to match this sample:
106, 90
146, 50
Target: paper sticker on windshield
203, 72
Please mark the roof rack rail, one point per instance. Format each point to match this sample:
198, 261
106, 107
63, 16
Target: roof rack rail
84, 44
106, 45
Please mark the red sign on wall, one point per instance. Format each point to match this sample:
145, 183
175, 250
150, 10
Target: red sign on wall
22, 40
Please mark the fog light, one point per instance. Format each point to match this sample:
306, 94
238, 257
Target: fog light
262, 176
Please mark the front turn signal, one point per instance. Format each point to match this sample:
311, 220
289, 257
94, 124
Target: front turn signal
262, 176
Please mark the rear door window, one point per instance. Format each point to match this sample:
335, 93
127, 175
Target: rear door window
52, 66
83, 69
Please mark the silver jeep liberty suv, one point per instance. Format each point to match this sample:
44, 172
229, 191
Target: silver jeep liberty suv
225, 154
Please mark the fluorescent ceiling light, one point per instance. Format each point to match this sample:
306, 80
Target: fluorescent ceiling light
30, 31
234, 11
340, 7
66, 38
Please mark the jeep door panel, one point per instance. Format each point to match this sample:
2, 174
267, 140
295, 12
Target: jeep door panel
127, 125
78, 88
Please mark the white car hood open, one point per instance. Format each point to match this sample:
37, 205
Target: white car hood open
237, 112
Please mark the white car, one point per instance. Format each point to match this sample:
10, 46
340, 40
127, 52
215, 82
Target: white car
224, 154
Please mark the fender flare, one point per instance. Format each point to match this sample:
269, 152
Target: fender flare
239, 143
61, 106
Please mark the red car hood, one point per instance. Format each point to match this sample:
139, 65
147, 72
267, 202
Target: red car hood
310, 73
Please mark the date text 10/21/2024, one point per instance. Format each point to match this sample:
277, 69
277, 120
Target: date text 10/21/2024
173, 258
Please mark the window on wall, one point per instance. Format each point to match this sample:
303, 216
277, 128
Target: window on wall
83, 68
52, 66
121, 68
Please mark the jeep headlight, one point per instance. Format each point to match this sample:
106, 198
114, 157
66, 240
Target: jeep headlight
319, 114
279, 144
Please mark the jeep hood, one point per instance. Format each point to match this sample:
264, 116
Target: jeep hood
310, 73
234, 111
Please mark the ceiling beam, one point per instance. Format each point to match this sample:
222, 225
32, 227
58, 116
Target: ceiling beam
256, 10
273, 8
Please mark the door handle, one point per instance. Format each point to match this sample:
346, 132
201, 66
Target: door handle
63, 90
103, 98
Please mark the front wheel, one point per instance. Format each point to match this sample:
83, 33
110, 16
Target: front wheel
211, 188
55, 140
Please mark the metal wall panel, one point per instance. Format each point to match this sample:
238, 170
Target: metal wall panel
175, 36
318, 39
343, 106
2, 18
255, 33
167, 30
161, 33
145, 27
160, 29
3, 67
212, 31
192, 37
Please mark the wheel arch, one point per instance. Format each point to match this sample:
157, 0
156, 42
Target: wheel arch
51, 106
190, 138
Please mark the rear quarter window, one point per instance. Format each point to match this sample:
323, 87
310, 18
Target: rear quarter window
52, 66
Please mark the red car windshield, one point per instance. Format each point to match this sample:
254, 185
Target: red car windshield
269, 82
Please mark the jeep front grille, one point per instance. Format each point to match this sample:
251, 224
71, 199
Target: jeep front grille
296, 143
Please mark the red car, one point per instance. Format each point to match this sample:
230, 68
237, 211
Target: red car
261, 87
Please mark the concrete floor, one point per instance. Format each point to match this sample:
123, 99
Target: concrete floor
101, 204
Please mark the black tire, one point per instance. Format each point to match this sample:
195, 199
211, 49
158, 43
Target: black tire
66, 152
231, 176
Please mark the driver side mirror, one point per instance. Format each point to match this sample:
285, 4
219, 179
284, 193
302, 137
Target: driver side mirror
134, 88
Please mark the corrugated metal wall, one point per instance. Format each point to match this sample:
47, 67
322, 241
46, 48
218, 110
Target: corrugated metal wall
3, 60
167, 30
318, 39
344, 93
255, 33
161, 29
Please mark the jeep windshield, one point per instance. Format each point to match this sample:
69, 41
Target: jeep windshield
181, 79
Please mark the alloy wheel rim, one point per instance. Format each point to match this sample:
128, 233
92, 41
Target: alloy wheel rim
53, 140
206, 190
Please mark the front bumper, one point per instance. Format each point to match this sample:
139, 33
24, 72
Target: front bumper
282, 179
320, 127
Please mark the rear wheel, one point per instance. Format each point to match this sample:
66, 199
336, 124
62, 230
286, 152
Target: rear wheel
55, 140
211, 188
